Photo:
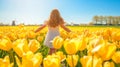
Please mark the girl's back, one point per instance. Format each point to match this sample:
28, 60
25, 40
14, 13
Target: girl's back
52, 32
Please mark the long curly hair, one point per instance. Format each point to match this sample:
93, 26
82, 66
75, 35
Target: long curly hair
55, 19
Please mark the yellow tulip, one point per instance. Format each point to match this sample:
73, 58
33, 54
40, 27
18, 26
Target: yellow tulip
62, 56
22, 35
73, 35
102, 48
12, 36
57, 42
116, 57
72, 60
5, 44
51, 61
34, 45
82, 44
31, 34
93, 43
20, 46
97, 62
63, 34
37, 59
21, 25
108, 64
84, 60
96, 40
1, 35
89, 61
30, 60
106, 51
71, 46
26, 59
86, 33
116, 36
5, 62
107, 33
40, 38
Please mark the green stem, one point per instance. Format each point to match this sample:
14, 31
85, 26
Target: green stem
67, 64
11, 56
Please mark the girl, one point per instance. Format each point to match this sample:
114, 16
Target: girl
55, 21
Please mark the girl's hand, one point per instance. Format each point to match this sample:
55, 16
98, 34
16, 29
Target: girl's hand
65, 28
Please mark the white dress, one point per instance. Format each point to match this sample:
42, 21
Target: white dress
52, 32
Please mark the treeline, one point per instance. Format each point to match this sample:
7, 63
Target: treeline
106, 20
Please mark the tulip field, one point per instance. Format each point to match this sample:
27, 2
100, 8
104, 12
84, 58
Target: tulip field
84, 46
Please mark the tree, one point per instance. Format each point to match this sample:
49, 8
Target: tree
110, 20
115, 20
101, 19
95, 19
118, 19
106, 20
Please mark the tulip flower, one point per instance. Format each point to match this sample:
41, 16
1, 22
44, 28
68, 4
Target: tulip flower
31, 34
72, 60
40, 38
1, 35
89, 61
12, 36
22, 35
63, 34
62, 56
116, 57
94, 41
116, 36
107, 33
57, 42
105, 51
51, 61
84, 60
5, 43
82, 44
34, 45
73, 35
5, 62
71, 46
108, 64
20, 46
30, 60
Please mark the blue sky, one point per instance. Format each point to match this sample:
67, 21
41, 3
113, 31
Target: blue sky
37, 11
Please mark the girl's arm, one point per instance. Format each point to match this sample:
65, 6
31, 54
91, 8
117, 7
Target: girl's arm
65, 28
40, 28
